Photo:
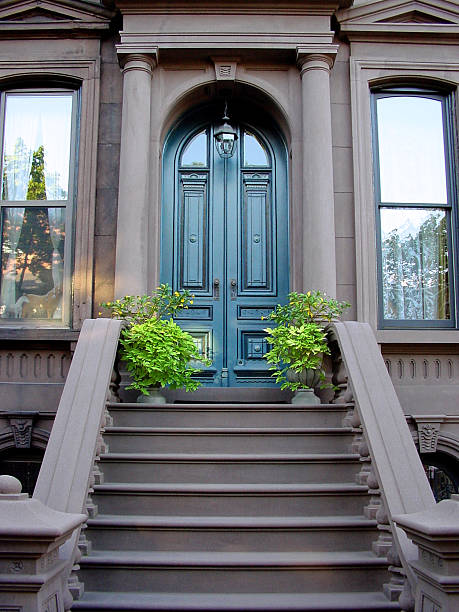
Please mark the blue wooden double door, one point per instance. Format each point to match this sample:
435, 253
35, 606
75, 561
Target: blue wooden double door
225, 239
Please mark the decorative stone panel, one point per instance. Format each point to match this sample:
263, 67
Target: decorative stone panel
34, 366
422, 369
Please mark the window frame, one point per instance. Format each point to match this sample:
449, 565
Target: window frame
446, 98
366, 73
68, 203
81, 74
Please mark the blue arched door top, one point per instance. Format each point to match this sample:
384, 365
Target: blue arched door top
225, 238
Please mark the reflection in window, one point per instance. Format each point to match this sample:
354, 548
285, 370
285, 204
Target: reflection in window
195, 153
411, 150
32, 263
36, 150
414, 206
414, 263
35, 196
254, 152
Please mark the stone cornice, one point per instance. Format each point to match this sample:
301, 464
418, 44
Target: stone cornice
397, 19
226, 7
37, 18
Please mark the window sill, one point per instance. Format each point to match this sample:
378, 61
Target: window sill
417, 336
38, 333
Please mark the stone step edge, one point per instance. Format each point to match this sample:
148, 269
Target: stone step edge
235, 431
236, 602
229, 406
232, 457
247, 561
114, 521
229, 488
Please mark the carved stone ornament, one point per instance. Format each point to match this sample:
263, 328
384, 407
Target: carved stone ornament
22, 432
428, 437
225, 69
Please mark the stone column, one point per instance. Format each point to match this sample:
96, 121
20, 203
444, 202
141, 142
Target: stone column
319, 263
133, 197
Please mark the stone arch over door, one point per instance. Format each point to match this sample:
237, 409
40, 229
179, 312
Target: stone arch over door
293, 95
224, 236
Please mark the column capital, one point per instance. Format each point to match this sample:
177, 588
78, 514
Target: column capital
131, 59
316, 59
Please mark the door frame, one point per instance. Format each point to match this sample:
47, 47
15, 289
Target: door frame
179, 136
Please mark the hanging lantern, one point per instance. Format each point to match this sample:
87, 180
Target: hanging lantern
225, 137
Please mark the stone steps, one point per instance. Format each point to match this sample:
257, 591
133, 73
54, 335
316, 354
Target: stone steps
235, 602
230, 468
227, 439
230, 507
228, 499
228, 415
227, 533
234, 572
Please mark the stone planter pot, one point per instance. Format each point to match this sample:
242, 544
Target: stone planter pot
309, 378
154, 397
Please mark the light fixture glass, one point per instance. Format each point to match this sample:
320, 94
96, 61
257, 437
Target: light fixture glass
225, 137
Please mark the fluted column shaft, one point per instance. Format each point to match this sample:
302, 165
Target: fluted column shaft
133, 201
319, 263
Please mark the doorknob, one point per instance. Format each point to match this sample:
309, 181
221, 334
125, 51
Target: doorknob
233, 284
216, 288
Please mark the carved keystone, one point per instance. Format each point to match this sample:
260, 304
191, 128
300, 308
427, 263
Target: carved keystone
428, 431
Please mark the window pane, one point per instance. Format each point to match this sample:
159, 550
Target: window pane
411, 150
254, 152
36, 148
414, 264
195, 153
32, 263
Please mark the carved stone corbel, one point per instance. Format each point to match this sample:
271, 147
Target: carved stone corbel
428, 431
22, 427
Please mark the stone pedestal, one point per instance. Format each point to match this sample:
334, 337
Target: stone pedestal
436, 533
32, 575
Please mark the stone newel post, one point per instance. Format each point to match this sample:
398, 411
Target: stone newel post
319, 264
133, 199
32, 574
436, 533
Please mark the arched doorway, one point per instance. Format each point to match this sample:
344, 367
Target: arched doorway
225, 238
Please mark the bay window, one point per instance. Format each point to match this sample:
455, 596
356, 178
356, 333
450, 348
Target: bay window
37, 192
416, 207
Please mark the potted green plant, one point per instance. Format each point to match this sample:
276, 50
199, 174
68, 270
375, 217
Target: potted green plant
157, 352
298, 341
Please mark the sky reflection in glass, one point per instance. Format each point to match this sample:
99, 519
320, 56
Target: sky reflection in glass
411, 150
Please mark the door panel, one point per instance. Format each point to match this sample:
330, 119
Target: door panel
194, 238
225, 238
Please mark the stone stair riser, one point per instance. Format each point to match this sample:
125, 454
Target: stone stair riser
228, 443
230, 580
192, 417
240, 472
324, 540
216, 504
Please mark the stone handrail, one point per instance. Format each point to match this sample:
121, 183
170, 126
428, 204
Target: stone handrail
64, 478
395, 461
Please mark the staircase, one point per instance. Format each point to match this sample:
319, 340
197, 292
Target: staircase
242, 507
